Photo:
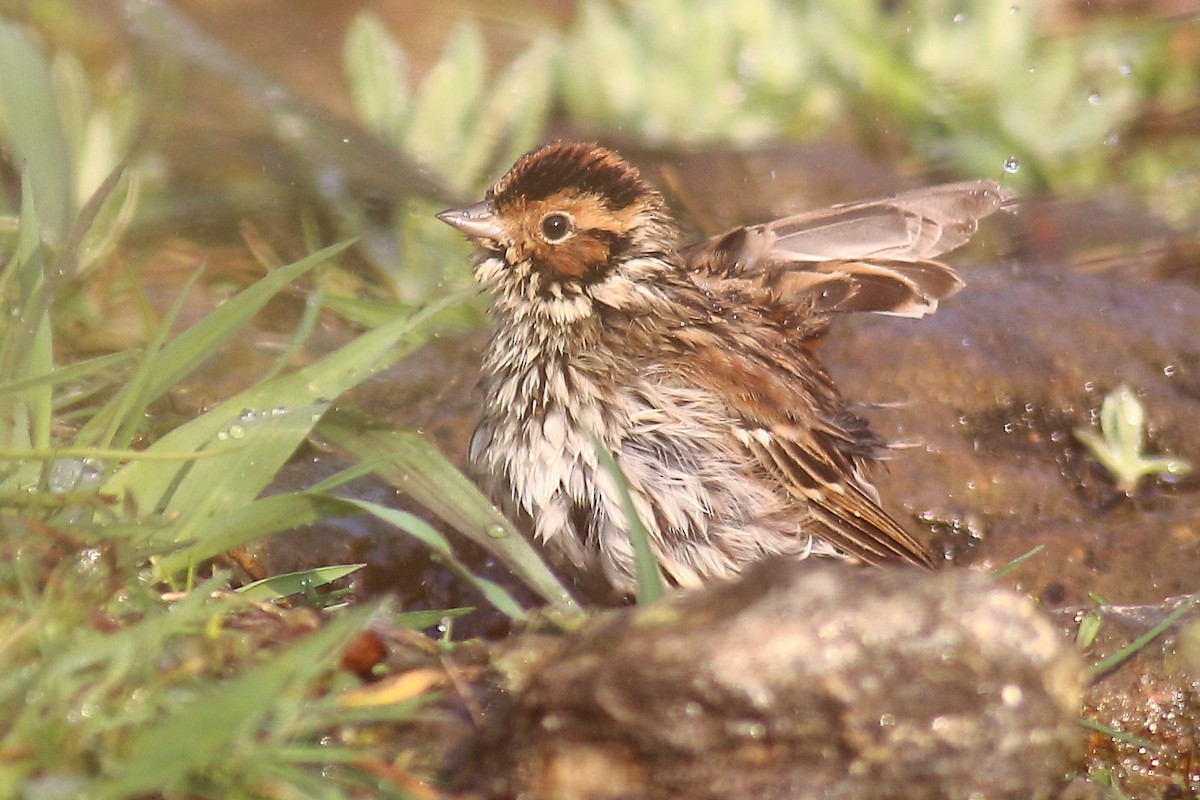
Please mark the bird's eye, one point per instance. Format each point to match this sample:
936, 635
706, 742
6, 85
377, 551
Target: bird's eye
556, 226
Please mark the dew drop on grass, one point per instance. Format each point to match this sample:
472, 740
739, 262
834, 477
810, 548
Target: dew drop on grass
237, 432
496, 531
1012, 164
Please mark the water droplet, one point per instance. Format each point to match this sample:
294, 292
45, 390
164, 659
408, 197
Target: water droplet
496, 531
959, 17
248, 415
222, 436
1125, 69
1169, 370
1093, 98
1112, 138
1012, 164
237, 432
750, 729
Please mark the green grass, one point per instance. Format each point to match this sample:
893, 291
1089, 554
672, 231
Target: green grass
130, 668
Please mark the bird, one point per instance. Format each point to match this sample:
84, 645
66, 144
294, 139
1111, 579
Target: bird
693, 366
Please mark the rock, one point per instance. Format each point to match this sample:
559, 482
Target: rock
991, 388
799, 680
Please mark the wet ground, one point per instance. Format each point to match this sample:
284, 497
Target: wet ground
1065, 300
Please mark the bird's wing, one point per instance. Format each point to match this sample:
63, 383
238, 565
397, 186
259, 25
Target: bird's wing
789, 417
872, 256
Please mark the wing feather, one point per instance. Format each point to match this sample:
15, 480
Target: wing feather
873, 256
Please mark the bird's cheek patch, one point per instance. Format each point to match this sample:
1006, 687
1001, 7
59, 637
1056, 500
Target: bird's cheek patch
582, 256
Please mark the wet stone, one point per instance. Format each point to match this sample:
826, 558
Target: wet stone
800, 680
989, 390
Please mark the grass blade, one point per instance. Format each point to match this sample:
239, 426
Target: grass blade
266, 422
1105, 665
203, 734
411, 464
648, 581
289, 583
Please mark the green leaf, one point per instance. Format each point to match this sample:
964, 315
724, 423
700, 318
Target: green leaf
419, 620
512, 115
446, 104
35, 130
414, 466
289, 583
1119, 448
1089, 627
413, 525
204, 734
260, 428
377, 74
1106, 665
648, 580
248, 523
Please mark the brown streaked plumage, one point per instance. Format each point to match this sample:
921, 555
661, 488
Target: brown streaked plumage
694, 366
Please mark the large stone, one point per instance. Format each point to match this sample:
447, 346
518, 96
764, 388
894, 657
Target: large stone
800, 680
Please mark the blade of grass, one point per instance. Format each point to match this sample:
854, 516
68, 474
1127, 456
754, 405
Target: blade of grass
204, 734
187, 351
428, 535
1001, 571
35, 130
40, 399
1106, 665
415, 467
1120, 736
267, 422
419, 620
244, 524
648, 581
68, 372
289, 583
125, 410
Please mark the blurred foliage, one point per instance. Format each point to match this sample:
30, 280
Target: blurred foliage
458, 123
976, 88
1121, 442
970, 86
679, 72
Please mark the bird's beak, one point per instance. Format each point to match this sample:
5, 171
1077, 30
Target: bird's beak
476, 221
